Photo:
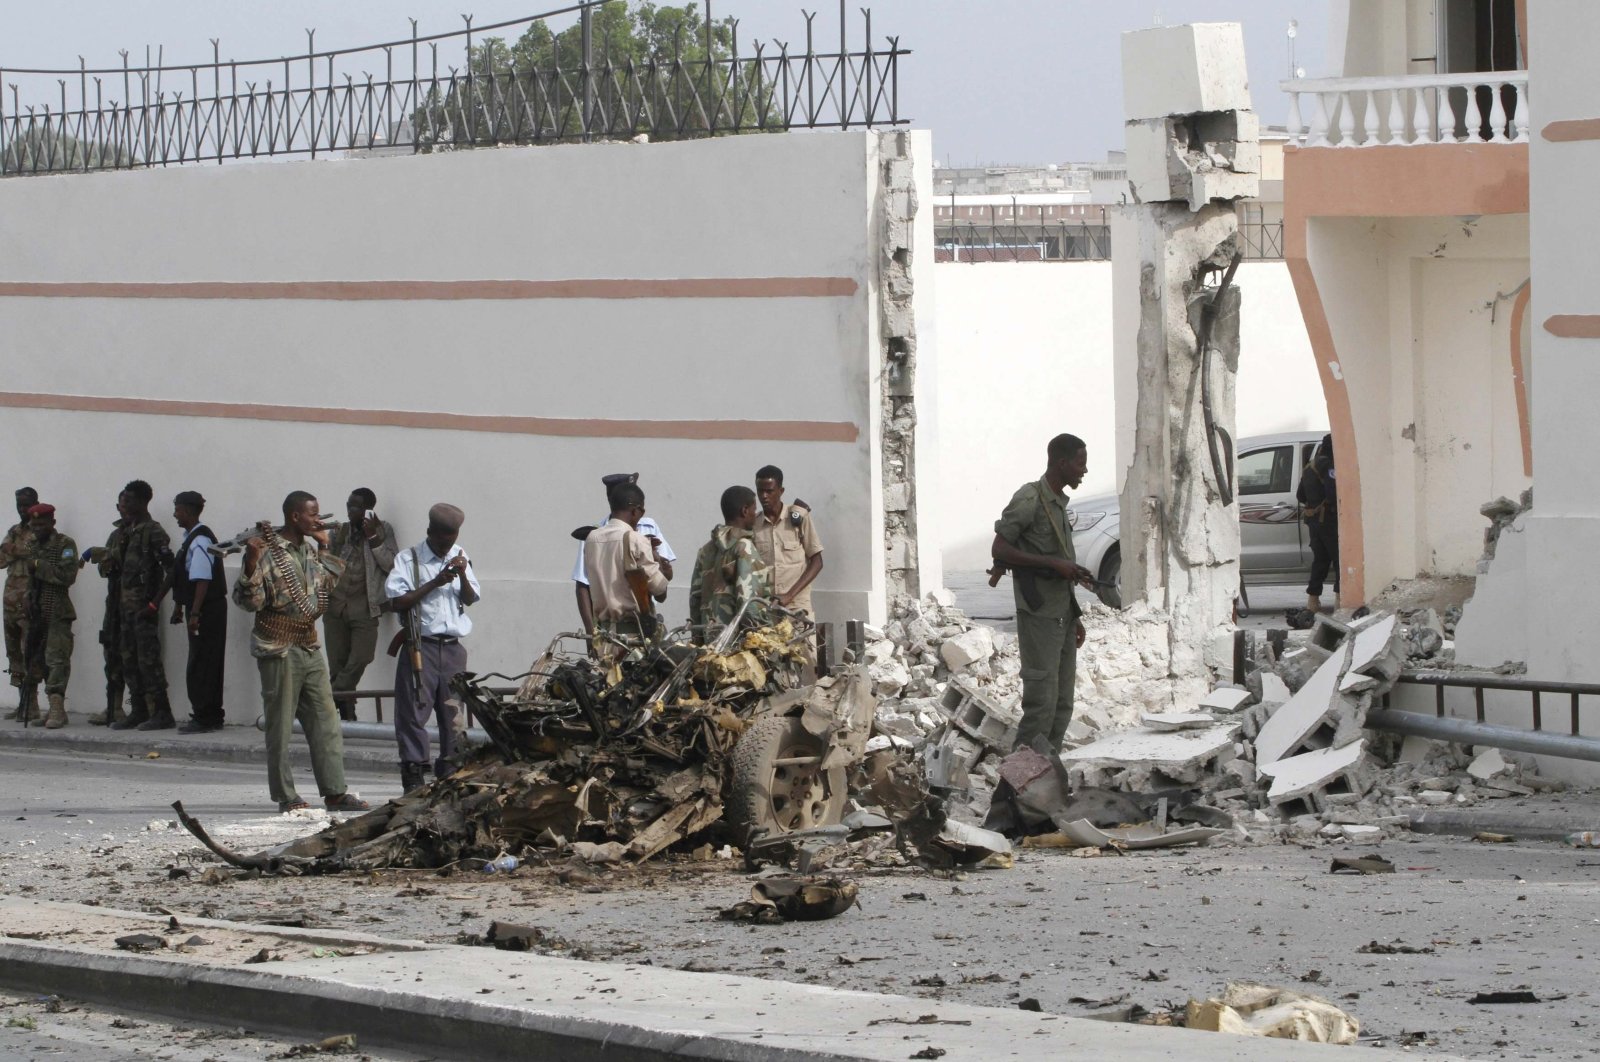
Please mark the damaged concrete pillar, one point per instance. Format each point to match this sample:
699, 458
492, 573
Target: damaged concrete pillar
898, 331
1193, 147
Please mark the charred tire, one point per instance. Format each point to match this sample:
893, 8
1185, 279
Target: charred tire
776, 797
1110, 594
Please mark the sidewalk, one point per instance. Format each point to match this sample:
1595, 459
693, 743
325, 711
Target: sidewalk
479, 1003
238, 742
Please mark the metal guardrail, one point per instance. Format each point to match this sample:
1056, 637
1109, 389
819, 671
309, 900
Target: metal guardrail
1478, 683
438, 92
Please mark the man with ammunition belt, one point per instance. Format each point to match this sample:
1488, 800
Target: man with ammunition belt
14, 552
288, 592
52, 568
1033, 539
107, 560
624, 572
199, 602
142, 574
431, 585
367, 546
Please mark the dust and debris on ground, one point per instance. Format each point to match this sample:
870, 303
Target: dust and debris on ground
1212, 824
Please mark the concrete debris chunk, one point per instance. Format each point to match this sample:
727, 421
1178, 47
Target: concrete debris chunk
1169, 721
1305, 719
968, 647
1488, 764
1230, 698
1318, 775
1085, 834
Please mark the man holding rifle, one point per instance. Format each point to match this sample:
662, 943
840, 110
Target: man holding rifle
1034, 540
287, 575
431, 586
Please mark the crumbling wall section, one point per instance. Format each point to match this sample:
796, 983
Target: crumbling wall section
897, 388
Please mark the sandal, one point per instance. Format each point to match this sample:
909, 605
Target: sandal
345, 802
286, 806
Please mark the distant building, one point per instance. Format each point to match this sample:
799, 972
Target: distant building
1061, 213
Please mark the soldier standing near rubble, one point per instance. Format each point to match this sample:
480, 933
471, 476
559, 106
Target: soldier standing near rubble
435, 579
624, 570
367, 546
1034, 540
787, 541
1318, 495
288, 591
106, 560
142, 574
728, 571
662, 551
52, 568
14, 552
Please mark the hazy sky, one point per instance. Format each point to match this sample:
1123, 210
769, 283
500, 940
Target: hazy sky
996, 80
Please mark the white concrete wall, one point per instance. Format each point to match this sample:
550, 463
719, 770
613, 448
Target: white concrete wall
1536, 603
1025, 353
727, 210
1420, 311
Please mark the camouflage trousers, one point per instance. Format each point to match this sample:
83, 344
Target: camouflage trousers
52, 665
16, 617
142, 668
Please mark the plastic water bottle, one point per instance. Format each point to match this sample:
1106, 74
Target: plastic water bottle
1586, 839
501, 864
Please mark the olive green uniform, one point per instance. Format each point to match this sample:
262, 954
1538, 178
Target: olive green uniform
108, 563
53, 568
143, 569
728, 572
15, 550
1046, 634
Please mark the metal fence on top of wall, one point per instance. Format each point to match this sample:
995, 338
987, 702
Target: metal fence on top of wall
423, 93
1022, 233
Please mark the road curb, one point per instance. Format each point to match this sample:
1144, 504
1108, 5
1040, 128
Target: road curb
250, 747
460, 1002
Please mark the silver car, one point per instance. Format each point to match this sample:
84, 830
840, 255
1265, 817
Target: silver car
1272, 538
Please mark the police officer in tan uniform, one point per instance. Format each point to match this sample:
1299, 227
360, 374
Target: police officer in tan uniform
787, 541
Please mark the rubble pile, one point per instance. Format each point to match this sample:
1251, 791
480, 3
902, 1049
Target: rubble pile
1292, 755
1125, 670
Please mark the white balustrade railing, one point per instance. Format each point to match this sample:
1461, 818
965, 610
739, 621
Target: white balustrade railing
1486, 107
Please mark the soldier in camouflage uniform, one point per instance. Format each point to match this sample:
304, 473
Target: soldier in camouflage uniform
14, 552
142, 575
52, 569
107, 561
729, 571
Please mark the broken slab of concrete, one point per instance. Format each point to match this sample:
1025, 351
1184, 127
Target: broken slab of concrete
1487, 765
1307, 718
1084, 834
1170, 721
1228, 698
1322, 778
1182, 756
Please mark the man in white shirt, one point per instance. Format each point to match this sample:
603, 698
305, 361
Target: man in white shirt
435, 578
623, 572
652, 533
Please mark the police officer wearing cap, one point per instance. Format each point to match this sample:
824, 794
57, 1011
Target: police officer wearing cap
435, 579
647, 527
200, 603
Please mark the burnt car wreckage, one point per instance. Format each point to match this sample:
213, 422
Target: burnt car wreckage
641, 746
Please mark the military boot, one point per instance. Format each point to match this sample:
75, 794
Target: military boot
413, 776
58, 712
113, 712
138, 714
160, 714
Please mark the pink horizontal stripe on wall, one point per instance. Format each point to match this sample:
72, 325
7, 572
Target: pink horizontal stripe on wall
760, 430
447, 290
1571, 129
1574, 325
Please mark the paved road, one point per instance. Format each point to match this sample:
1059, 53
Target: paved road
1147, 928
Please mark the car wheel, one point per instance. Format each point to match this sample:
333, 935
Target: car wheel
774, 793
1110, 593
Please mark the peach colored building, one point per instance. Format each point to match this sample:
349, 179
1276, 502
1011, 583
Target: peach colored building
1406, 232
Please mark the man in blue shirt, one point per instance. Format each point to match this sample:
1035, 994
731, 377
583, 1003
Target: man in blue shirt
200, 602
435, 578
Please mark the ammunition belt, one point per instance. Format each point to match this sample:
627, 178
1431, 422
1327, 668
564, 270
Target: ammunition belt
289, 630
